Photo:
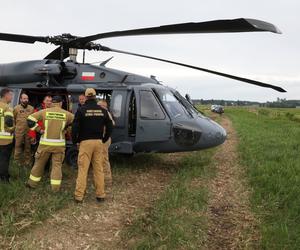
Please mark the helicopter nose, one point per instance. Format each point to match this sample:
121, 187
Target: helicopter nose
213, 134
220, 135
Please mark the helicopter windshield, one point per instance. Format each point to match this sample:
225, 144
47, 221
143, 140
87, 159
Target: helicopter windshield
190, 108
172, 104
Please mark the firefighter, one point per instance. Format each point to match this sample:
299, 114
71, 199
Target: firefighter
106, 163
87, 131
52, 142
6, 132
21, 113
34, 137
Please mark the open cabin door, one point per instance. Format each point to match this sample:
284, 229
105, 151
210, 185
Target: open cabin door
153, 124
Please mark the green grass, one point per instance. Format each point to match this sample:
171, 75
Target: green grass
291, 114
177, 220
270, 151
21, 207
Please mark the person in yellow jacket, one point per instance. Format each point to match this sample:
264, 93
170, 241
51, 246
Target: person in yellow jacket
52, 142
6, 132
22, 139
106, 163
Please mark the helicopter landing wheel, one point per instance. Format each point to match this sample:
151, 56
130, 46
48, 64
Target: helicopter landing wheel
71, 157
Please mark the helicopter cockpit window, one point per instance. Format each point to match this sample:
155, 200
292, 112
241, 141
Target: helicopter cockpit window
189, 107
116, 107
173, 106
150, 108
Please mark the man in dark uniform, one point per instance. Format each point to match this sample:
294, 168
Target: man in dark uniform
88, 132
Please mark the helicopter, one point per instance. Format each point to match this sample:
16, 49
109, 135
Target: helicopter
149, 116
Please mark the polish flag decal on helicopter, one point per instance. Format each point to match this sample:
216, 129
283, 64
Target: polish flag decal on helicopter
88, 76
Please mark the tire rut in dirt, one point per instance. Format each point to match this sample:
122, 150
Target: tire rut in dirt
231, 223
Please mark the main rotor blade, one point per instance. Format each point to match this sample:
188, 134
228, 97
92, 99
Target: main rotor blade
216, 26
242, 79
22, 38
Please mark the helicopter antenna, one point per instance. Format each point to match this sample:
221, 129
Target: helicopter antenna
102, 63
83, 56
106, 61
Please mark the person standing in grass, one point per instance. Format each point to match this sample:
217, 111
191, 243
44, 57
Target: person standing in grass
88, 134
22, 139
52, 143
106, 163
6, 132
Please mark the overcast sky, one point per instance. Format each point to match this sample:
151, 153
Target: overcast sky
266, 56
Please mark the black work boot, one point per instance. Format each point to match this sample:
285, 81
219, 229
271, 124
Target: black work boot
4, 178
78, 201
99, 199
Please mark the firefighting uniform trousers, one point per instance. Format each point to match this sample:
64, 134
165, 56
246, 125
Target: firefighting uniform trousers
106, 163
5, 153
42, 156
90, 152
20, 139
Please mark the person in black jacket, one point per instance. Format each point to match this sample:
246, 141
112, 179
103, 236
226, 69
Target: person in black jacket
88, 133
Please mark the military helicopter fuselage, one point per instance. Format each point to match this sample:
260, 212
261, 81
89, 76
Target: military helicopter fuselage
149, 117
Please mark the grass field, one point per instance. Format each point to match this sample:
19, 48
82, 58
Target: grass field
270, 151
269, 147
21, 207
283, 114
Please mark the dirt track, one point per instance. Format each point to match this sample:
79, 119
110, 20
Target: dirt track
231, 223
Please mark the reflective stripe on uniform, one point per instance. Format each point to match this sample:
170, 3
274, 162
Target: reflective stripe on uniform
3, 134
62, 129
1, 120
6, 135
8, 113
32, 118
55, 182
2, 123
52, 142
33, 178
35, 126
46, 129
